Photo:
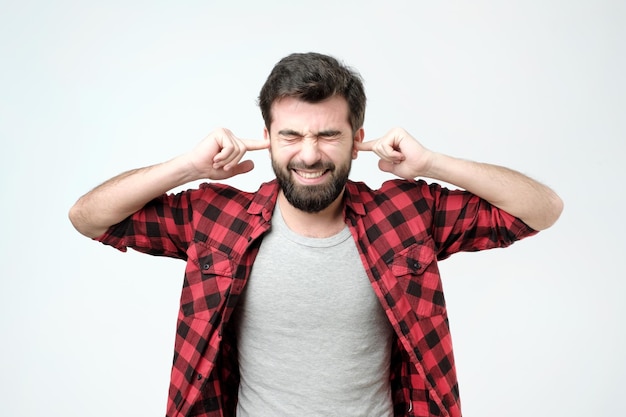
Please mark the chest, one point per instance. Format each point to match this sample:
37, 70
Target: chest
311, 282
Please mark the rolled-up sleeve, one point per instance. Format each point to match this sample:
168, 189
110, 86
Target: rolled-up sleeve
163, 227
464, 222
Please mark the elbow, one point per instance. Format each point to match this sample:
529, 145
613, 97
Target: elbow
556, 208
551, 213
81, 224
76, 218
559, 206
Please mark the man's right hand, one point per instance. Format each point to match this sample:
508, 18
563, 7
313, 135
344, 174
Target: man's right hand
216, 157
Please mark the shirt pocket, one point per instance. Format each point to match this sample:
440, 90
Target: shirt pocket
208, 279
416, 271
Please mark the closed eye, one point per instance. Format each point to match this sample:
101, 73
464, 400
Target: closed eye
329, 134
289, 135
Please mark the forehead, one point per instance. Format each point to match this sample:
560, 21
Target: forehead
299, 115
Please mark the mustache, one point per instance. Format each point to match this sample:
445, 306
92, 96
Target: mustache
318, 166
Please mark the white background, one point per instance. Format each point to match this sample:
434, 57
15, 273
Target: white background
90, 90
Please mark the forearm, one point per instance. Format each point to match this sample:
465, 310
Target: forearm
537, 205
123, 195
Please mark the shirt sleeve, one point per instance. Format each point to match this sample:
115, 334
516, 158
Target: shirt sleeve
462, 221
163, 227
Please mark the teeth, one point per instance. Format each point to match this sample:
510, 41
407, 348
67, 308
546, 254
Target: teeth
310, 175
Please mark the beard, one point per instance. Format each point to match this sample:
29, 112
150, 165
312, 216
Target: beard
312, 198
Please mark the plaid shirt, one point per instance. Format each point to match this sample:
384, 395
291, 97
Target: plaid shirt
401, 230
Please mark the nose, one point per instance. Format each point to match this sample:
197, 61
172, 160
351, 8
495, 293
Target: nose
309, 152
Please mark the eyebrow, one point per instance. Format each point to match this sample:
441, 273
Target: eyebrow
329, 132
291, 132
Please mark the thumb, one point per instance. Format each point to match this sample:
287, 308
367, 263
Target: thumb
386, 166
242, 167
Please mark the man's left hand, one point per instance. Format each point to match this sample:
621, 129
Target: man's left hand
400, 154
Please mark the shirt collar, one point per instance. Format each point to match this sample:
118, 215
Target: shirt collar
353, 198
264, 200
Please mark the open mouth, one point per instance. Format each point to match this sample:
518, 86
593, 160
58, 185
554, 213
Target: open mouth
310, 175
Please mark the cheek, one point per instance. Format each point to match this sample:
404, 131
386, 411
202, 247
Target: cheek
338, 152
281, 155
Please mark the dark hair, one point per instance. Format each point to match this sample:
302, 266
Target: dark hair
313, 77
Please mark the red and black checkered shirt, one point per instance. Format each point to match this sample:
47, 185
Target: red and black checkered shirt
401, 230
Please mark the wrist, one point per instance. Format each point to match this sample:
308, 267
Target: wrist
438, 166
184, 170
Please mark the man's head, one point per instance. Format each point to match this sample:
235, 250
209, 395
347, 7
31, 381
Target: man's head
313, 77
313, 109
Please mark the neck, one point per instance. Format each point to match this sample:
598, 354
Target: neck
325, 223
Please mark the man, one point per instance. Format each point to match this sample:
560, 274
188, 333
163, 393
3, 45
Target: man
314, 295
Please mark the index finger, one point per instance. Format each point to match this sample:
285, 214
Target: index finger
255, 144
366, 146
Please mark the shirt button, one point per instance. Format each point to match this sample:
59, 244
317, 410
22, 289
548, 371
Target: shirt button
206, 266
199, 377
416, 265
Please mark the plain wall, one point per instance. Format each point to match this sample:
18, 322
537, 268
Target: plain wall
91, 89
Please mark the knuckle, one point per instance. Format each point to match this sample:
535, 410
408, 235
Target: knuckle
220, 131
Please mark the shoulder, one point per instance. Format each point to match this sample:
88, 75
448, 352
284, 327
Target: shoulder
218, 197
395, 199
217, 194
395, 190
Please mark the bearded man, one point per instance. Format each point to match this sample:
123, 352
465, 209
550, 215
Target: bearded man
315, 295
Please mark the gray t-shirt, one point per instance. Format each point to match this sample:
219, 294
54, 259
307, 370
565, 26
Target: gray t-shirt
313, 339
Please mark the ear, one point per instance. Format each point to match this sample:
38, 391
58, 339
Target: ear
358, 137
266, 138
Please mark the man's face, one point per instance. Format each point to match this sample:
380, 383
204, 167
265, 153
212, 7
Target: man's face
312, 147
